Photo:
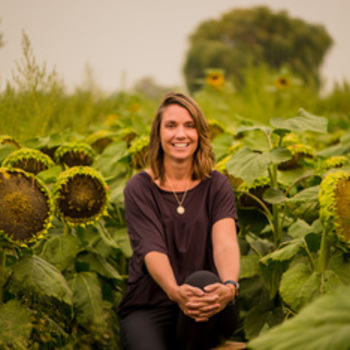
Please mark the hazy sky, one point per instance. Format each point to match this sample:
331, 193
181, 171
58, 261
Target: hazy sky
123, 41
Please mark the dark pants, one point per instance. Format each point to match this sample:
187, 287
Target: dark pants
168, 328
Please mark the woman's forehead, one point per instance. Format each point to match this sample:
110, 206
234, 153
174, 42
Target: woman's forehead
176, 112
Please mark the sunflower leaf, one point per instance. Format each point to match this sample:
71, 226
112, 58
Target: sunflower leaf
87, 297
274, 196
299, 285
324, 324
60, 251
303, 122
249, 266
286, 252
15, 326
98, 264
34, 274
248, 165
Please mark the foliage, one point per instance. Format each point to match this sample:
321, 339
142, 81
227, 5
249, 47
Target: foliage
324, 324
243, 37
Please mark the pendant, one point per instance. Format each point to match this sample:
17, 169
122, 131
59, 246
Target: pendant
180, 209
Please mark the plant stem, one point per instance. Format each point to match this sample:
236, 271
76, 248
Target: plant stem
66, 229
324, 253
2, 273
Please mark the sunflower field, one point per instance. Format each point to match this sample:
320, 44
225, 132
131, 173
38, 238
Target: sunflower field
66, 158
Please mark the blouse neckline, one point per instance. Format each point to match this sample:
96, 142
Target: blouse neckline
166, 191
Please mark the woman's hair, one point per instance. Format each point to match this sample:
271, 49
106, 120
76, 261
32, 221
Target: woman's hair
203, 160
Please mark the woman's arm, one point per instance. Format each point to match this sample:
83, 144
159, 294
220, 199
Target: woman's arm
227, 261
226, 249
190, 299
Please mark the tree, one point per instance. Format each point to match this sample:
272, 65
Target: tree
246, 37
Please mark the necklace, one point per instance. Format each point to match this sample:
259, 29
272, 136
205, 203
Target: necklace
180, 209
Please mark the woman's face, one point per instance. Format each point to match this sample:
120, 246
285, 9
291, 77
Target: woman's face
178, 134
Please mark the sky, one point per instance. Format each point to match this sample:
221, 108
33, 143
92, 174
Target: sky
122, 41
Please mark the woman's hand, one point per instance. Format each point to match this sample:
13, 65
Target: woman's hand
201, 305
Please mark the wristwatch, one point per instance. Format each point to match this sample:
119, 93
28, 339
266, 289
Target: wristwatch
236, 284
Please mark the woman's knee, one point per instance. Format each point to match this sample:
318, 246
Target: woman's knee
202, 278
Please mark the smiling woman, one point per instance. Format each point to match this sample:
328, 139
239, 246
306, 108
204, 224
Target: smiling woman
182, 223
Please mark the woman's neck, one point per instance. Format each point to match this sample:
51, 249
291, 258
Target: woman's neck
176, 171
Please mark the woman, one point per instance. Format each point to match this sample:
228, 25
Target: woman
182, 224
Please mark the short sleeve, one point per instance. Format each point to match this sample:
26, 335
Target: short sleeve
144, 226
224, 203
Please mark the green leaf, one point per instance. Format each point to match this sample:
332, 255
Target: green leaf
249, 266
87, 297
15, 326
322, 325
306, 195
60, 251
265, 129
274, 196
221, 144
50, 175
98, 264
248, 165
286, 252
5, 151
279, 155
34, 274
108, 162
122, 238
254, 321
299, 285
271, 273
299, 229
303, 122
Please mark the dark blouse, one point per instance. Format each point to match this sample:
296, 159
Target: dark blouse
154, 225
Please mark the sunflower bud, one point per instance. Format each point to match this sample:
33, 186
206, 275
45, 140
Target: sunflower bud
100, 140
75, 154
30, 160
139, 153
25, 206
334, 198
80, 196
5, 139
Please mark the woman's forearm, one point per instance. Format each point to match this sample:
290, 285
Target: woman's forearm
226, 250
158, 265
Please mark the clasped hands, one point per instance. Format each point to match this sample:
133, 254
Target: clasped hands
200, 304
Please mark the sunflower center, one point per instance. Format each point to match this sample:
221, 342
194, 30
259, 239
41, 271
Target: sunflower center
81, 197
23, 207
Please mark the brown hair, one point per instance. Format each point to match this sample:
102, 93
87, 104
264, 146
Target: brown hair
203, 160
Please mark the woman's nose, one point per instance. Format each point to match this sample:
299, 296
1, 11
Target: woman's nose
180, 132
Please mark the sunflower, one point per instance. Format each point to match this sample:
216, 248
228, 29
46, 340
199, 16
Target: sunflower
258, 188
335, 162
334, 198
25, 206
30, 160
215, 78
215, 128
75, 154
299, 151
5, 139
282, 83
100, 140
139, 153
80, 196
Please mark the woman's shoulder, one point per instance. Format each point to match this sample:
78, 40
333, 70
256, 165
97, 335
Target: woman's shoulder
217, 178
139, 181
